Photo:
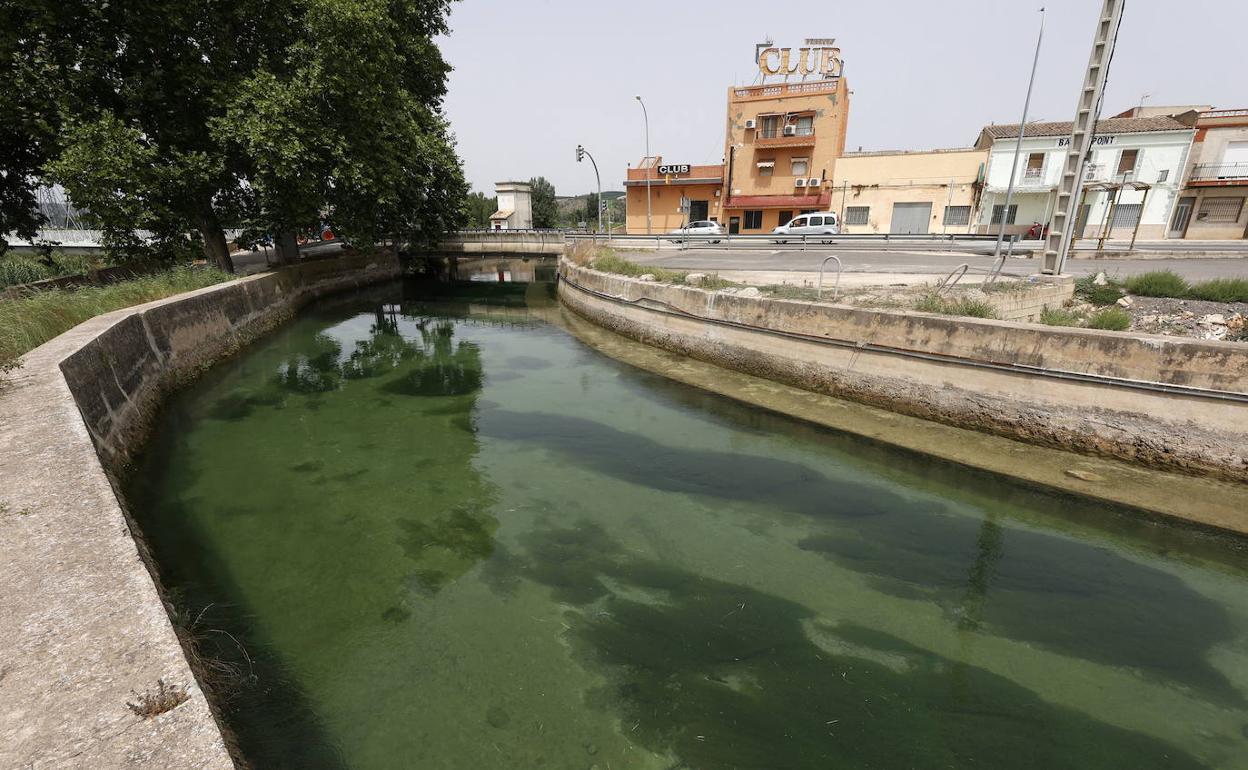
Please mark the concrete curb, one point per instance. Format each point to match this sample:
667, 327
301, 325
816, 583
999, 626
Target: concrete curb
1179, 405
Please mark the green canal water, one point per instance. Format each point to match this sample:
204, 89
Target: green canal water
426, 526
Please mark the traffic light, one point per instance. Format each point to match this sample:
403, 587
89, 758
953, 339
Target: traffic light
580, 153
602, 205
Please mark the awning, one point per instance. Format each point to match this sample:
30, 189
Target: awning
766, 164
501, 214
822, 200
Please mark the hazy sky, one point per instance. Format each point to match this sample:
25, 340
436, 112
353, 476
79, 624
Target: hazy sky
533, 78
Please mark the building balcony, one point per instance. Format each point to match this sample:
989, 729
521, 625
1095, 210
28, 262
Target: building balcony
801, 137
1214, 174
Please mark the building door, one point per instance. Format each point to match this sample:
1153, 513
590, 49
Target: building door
783, 218
1182, 215
734, 225
1085, 211
698, 210
911, 218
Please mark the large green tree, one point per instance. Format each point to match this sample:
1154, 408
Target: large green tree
179, 118
545, 211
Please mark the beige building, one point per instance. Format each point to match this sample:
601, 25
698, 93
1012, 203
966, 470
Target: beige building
1211, 204
515, 206
933, 191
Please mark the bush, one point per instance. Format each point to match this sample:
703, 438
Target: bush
18, 270
1158, 283
964, 306
1221, 290
1088, 291
1060, 317
28, 322
1112, 318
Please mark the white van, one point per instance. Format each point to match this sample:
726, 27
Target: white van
822, 223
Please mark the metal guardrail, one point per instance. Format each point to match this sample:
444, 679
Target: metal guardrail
772, 242
1211, 172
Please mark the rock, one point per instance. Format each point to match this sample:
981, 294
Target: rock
1101, 279
646, 277
1084, 475
1213, 319
1125, 302
729, 290
693, 279
1235, 323
748, 291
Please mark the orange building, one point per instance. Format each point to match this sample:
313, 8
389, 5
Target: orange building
781, 143
698, 187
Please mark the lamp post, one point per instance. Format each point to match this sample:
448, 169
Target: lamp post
582, 152
646, 168
1018, 146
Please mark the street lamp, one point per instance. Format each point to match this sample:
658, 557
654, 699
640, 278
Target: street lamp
581, 152
646, 168
1018, 146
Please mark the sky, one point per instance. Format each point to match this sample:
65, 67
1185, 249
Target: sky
534, 78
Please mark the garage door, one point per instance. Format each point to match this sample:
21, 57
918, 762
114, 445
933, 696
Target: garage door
911, 218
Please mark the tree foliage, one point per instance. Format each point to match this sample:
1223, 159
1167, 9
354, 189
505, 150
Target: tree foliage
545, 211
179, 118
478, 208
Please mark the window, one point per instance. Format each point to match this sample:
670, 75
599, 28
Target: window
857, 215
783, 217
999, 209
1127, 161
1163, 175
958, 215
1224, 210
769, 126
801, 166
753, 220
1035, 166
1127, 214
765, 167
816, 221
805, 125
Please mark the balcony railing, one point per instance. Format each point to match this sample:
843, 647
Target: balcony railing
1215, 172
774, 133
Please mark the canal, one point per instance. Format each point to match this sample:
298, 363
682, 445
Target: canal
427, 526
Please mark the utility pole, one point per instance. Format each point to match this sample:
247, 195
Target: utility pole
644, 165
1065, 214
581, 152
1018, 146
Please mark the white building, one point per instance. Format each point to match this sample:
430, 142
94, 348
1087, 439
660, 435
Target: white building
1136, 172
515, 206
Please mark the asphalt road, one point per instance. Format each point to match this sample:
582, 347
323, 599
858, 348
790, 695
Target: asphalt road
857, 259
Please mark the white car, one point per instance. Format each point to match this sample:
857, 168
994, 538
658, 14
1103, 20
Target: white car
702, 227
822, 223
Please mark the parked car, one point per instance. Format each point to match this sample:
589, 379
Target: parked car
701, 227
822, 223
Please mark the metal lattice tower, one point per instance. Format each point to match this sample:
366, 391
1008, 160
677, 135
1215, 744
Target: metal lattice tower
56, 208
1065, 214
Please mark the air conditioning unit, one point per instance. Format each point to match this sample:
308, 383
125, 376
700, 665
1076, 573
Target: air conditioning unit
790, 130
751, 123
799, 182
814, 182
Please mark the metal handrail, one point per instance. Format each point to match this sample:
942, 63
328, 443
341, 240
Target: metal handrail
1208, 171
836, 288
950, 281
1000, 263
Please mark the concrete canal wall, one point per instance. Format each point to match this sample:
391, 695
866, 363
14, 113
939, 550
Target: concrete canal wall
85, 629
1163, 402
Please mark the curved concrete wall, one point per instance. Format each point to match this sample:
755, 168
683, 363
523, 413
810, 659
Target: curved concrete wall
84, 624
1176, 404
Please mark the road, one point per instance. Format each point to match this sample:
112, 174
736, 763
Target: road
875, 259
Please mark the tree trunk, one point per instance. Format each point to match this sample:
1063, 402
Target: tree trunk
286, 247
215, 248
